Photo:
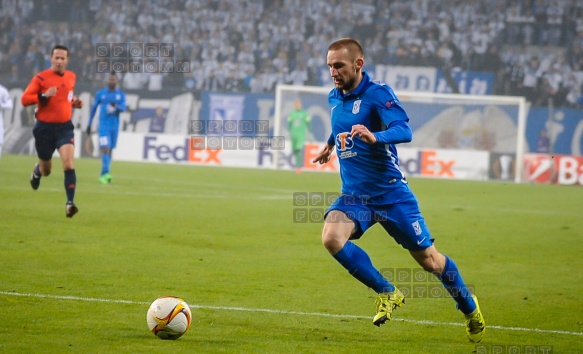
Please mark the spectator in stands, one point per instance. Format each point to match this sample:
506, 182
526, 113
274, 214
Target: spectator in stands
212, 82
158, 121
233, 83
134, 77
530, 81
248, 34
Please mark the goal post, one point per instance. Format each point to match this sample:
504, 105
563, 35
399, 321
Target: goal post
484, 135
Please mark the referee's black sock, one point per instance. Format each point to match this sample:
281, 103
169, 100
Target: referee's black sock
70, 182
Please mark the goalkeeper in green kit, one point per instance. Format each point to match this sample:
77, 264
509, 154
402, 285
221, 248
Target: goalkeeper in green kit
298, 123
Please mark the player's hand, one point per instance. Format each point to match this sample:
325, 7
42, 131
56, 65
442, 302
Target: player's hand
52, 91
111, 108
363, 133
77, 103
324, 155
88, 131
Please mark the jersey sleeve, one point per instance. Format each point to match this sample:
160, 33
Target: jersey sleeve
5, 99
388, 105
393, 116
94, 107
121, 106
397, 132
31, 93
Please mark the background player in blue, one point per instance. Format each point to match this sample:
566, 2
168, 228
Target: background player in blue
113, 102
367, 121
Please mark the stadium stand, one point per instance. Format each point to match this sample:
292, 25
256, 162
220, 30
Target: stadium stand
534, 47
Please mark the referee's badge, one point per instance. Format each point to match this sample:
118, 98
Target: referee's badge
356, 107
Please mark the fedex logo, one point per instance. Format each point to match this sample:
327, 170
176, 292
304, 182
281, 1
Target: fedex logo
428, 164
287, 159
154, 150
344, 141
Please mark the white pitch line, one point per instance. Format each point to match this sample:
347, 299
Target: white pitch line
284, 312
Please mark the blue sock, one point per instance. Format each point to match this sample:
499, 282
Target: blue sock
359, 265
105, 162
453, 282
70, 183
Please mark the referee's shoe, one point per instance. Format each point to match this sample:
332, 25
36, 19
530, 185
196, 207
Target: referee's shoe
34, 178
71, 209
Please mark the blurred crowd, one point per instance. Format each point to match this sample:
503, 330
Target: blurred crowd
533, 47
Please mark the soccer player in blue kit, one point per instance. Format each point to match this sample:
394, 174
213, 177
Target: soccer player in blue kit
367, 121
113, 102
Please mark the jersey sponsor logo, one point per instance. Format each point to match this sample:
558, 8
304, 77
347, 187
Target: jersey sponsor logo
356, 106
418, 231
344, 141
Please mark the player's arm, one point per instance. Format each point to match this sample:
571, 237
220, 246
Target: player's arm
32, 94
96, 103
324, 154
397, 132
121, 105
6, 101
393, 116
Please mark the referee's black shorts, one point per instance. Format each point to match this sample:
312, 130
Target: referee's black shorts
49, 137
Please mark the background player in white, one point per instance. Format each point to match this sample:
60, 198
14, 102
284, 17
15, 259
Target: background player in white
5, 103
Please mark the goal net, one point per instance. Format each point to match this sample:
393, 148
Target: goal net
454, 135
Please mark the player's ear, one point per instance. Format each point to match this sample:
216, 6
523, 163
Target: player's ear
359, 63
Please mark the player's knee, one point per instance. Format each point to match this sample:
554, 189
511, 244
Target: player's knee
332, 241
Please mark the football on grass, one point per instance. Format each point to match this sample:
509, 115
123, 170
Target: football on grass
169, 317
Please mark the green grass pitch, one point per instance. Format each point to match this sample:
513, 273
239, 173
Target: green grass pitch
225, 240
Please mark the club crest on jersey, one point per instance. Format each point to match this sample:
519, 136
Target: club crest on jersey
417, 228
356, 107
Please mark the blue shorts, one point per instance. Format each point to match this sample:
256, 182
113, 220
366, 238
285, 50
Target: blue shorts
49, 137
108, 138
398, 213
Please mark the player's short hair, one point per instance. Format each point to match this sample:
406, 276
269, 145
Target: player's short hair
61, 47
351, 44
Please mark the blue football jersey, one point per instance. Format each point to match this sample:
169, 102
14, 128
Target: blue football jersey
366, 170
108, 114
